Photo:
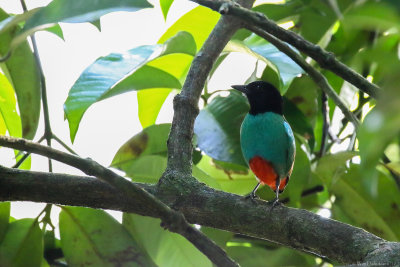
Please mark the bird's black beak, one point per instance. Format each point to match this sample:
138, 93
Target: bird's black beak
241, 88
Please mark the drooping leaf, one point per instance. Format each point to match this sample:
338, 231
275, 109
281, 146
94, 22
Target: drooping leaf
150, 141
332, 166
75, 12
257, 47
150, 102
56, 29
92, 237
165, 248
165, 5
298, 121
217, 128
4, 218
300, 175
22, 64
10, 22
22, 244
374, 209
118, 73
256, 256
8, 108
199, 22
381, 125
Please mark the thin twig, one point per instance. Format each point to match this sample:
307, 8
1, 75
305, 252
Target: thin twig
325, 125
325, 59
171, 219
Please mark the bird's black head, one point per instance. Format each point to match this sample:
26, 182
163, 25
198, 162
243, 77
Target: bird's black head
262, 96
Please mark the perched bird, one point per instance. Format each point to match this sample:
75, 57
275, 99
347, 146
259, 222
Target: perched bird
266, 138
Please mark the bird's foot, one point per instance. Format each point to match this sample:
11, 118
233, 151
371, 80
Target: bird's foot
275, 203
251, 196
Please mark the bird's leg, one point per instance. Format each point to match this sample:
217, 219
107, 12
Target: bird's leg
276, 200
252, 195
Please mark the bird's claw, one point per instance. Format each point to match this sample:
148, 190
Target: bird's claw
251, 196
275, 203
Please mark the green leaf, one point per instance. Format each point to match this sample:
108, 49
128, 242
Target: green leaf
332, 166
118, 73
257, 47
165, 5
4, 218
56, 29
217, 128
381, 125
199, 22
69, 11
11, 22
280, 12
374, 209
22, 244
300, 175
298, 121
22, 64
8, 108
165, 248
150, 102
255, 256
150, 141
93, 238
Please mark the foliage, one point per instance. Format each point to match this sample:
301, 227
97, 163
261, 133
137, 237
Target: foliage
355, 174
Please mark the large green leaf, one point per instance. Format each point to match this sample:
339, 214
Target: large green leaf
71, 11
150, 141
93, 238
118, 73
281, 12
150, 102
8, 108
165, 248
381, 125
217, 128
257, 47
199, 22
21, 71
332, 166
254, 256
4, 218
375, 210
22, 244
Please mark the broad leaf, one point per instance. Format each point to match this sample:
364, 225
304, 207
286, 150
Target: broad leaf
165, 248
217, 128
199, 22
254, 256
369, 202
150, 141
22, 244
332, 166
93, 238
22, 64
8, 108
150, 102
118, 73
257, 47
70, 11
4, 218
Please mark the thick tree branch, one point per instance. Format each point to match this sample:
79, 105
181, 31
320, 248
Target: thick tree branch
324, 58
171, 219
186, 103
295, 228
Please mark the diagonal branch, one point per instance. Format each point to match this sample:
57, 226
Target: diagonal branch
171, 219
317, 77
186, 103
295, 228
324, 58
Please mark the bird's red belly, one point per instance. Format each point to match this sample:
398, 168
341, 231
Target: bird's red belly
265, 172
